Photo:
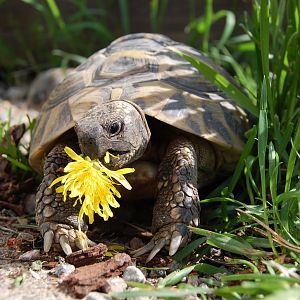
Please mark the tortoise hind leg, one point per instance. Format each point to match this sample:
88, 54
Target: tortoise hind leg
57, 220
177, 204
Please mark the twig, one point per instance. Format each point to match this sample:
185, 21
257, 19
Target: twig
7, 258
26, 226
263, 233
4, 218
8, 229
277, 238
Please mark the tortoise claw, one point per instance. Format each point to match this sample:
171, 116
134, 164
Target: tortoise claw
148, 247
152, 246
81, 243
176, 240
65, 245
64, 237
171, 236
158, 246
90, 242
48, 240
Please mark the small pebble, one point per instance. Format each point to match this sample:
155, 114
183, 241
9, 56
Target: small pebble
134, 274
215, 252
30, 255
115, 284
36, 265
62, 269
155, 273
97, 296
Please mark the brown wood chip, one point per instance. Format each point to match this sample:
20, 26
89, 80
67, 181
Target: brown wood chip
93, 277
88, 256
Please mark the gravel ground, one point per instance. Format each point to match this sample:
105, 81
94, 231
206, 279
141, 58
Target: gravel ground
35, 284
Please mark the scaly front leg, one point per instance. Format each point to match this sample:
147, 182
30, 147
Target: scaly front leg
177, 204
58, 220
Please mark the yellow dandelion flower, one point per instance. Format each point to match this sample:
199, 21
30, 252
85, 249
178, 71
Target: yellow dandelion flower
92, 185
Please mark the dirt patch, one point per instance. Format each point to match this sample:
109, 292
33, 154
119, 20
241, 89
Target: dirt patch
19, 281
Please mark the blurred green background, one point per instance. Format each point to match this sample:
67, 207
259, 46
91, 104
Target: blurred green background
36, 35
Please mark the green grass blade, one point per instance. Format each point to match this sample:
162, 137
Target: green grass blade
273, 177
241, 163
125, 20
18, 164
69, 56
245, 79
228, 28
154, 7
288, 196
282, 137
56, 14
209, 269
262, 140
229, 243
222, 82
223, 199
260, 288
292, 293
261, 149
273, 170
162, 12
175, 277
258, 242
188, 250
264, 48
207, 24
250, 181
255, 276
164, 293
234, 246
34, 3
292, 158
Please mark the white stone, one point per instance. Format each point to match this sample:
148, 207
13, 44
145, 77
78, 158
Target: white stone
134, 274
62, 269
30, 255
97, 296
115, 284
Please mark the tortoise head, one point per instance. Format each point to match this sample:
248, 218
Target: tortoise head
119, 127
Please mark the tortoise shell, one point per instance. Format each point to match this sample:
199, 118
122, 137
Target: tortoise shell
144, 69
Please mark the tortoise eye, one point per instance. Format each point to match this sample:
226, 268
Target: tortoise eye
115, 127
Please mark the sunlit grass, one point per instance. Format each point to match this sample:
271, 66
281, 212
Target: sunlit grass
16, 154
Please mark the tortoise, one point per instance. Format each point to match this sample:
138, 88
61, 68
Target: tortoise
140, 99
